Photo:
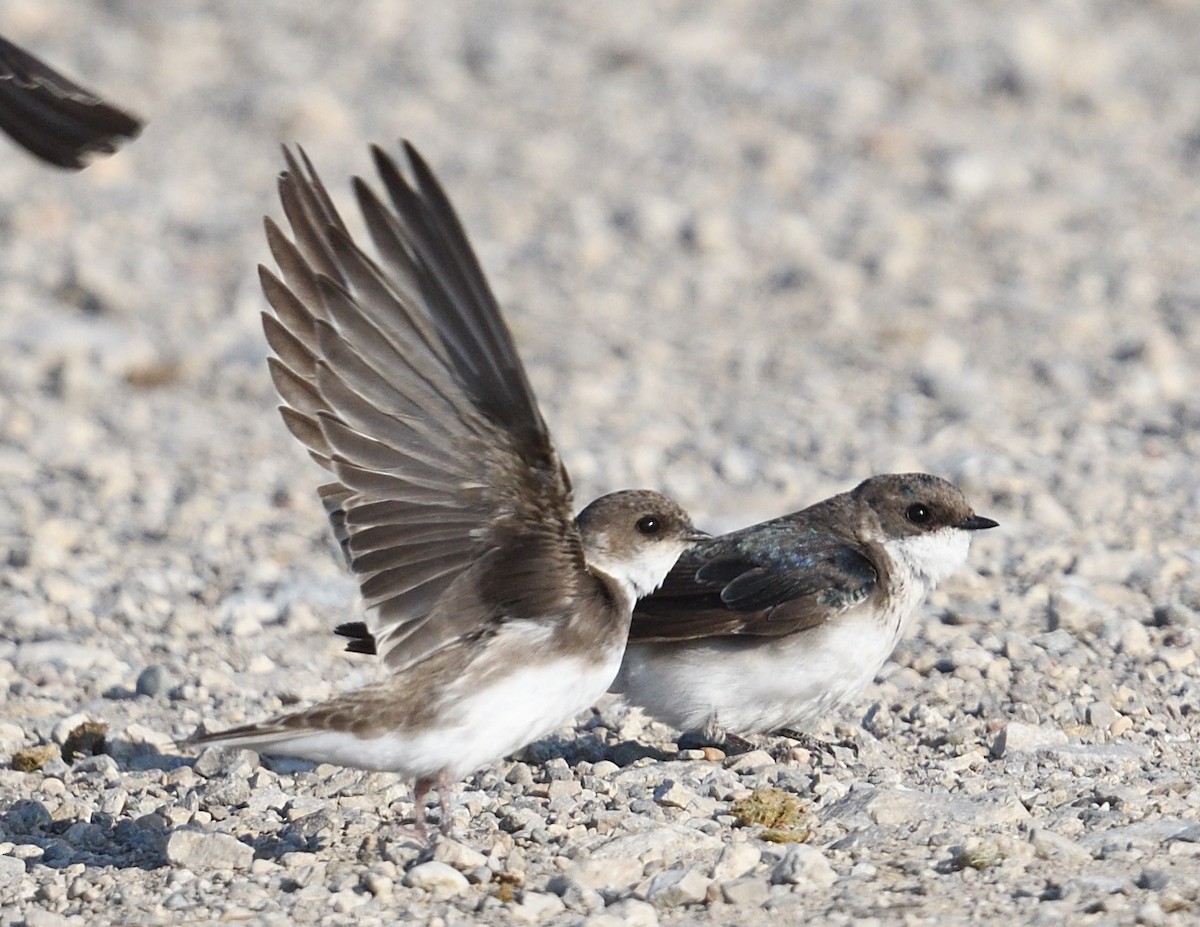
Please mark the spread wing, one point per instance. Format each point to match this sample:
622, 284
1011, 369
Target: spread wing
770, 580
53, 117
401, 378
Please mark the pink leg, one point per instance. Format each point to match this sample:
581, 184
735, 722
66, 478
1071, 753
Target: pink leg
443, 787
420, 793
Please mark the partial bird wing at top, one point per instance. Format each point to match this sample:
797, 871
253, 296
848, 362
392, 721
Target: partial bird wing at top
402, 379
53, 117
787, 580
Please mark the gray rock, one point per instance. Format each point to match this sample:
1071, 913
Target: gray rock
11, 869
607, 873
203, 852
803, 865
735, 861
748, 892
629, 912
536, 907
1048, 844
677, 887
673, 795
751, 762
1102, 715
519, 774
864, 805
435, 876
665, 841
153, 681
224, 761
1018, 737
459, 855
25, 816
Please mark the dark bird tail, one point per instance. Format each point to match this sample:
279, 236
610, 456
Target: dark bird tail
361, 640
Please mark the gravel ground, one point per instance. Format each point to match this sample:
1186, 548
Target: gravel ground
753, 252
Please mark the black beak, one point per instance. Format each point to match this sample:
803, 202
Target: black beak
976, 523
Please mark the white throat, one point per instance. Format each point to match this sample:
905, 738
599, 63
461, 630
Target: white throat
640, 576
930, 558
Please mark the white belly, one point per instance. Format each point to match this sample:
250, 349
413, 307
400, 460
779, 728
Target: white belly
752, 685
487, 724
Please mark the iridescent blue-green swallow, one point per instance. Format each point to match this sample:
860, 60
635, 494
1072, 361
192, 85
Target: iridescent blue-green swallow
774, 626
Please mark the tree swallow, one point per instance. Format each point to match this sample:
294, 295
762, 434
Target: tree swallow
53, 117
499, 616
773, 626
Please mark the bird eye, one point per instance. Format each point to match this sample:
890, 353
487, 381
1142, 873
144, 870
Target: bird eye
649, 525
917, 513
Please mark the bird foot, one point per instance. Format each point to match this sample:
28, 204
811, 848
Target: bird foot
731, 744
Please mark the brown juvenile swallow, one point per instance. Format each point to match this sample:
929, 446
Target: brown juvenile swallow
499, 616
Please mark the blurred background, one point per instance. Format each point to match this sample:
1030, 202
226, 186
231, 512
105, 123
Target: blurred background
752, 252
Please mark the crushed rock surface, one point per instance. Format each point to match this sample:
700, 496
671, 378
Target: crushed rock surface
752, 252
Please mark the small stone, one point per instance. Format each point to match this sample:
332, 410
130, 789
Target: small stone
11, 735
458, 855
1047, 844
615, 874
735, 861
11, 869
635, 913
39, 917
223, 761
750, 892
102, 766
346, 900
676, 887
301, 806
519, 774
666, 841
1151, 914
515, 820
604, 769
200, 851
1102, 715
152, 681
628, 912
563, 788
803, 865
1018, 737
752, 762
62, 730
536, 907
25, 816
898, 807
673, 795
1134, 640
379, 885
436, 876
